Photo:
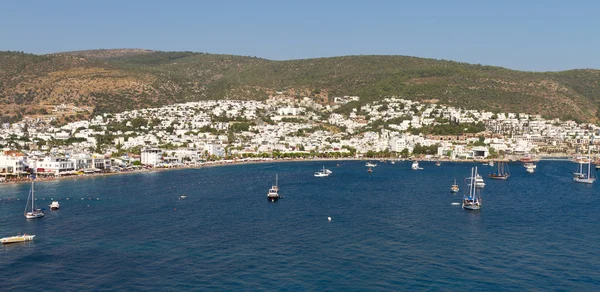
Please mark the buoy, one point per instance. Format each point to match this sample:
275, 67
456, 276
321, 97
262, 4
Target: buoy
328, 218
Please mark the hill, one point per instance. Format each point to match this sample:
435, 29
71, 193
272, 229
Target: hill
116, 80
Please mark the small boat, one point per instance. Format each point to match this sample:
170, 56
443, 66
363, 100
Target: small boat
454, 203
17, 239
393, 162
321, 173
454, 187
502, 173
472, 200
54, 205
370, 170
35, 212
369, 164
415, 166
182, 197
273, 193
438, 163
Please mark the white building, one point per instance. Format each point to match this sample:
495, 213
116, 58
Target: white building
152, 156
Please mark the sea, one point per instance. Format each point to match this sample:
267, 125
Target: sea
394, 229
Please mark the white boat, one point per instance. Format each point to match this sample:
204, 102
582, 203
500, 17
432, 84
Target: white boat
530, 167
54, 205
369, 164
472, 200
393, 162
34, 212
581, 176
415, 166
321, 173
16, 239
479, 183
491, 163
273, 193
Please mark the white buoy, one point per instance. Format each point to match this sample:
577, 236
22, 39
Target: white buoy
328, 218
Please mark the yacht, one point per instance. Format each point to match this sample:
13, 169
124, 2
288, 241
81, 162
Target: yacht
530, 167
479, 183
321, 173
16, 239
415, 166
273, 193
54, 205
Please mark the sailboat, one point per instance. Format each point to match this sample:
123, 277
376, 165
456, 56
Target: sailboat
503, 171
582, 177
35, 212
454, 187
472, 200
273, 194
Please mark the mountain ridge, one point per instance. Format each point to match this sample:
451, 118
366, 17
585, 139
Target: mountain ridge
121, 79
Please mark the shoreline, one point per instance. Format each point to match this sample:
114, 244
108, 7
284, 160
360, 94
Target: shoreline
230, 163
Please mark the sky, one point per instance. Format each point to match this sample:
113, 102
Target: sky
527, 35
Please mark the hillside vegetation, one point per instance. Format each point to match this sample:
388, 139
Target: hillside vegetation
116, 80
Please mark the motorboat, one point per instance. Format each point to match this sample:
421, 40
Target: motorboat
321, 173
16, 239
415, 165
55, 205
369, 164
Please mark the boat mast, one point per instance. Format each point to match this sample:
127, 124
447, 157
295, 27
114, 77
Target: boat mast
32, 194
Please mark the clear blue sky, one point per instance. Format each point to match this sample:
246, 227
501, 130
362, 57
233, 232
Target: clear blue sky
524, 35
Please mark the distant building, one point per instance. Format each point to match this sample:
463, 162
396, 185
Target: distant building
152, 156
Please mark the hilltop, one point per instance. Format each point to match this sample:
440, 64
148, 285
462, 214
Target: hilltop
123, 79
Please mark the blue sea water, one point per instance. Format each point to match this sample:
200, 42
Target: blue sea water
393, 229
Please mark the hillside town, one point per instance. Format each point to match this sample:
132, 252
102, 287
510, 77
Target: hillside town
207, 132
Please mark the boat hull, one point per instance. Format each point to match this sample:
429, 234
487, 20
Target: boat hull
584, 180
502, 177
34, 215
272, 199
471, 207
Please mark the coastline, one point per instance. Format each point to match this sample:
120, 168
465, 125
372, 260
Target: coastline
241, 162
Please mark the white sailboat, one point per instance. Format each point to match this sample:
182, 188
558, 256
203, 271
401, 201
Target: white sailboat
581, 176
273, 193
34, 212
472, 200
